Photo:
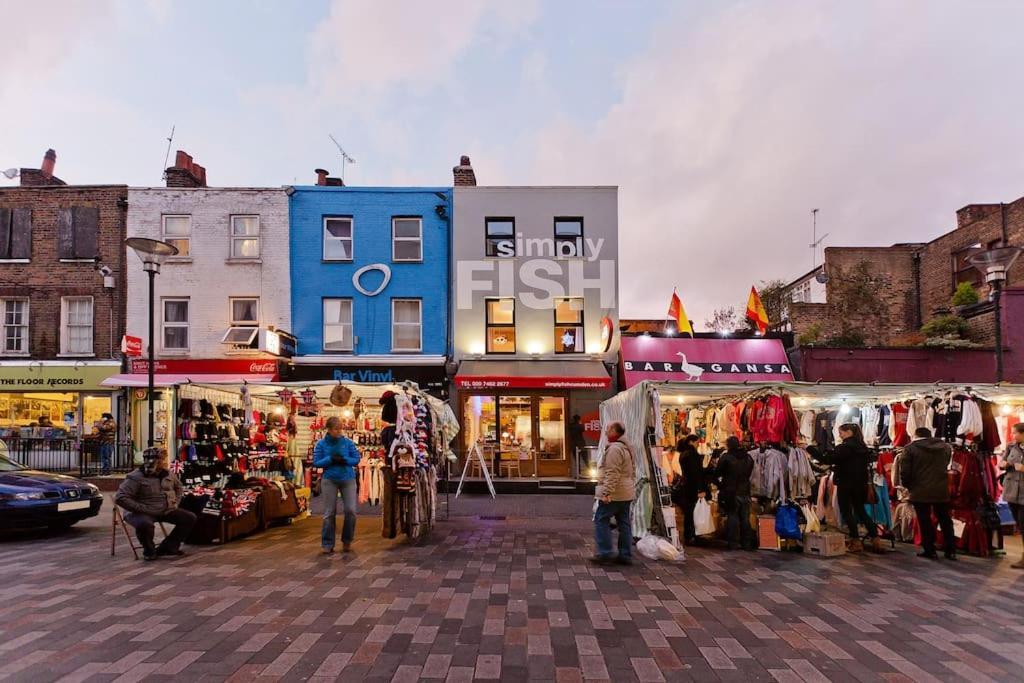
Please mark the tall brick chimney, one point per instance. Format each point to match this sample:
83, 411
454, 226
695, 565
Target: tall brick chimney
463, 173
322, 178
185, 172
44, 174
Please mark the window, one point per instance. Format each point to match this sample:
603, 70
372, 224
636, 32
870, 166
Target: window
406, 325
76, 325
407, 239
245, 311
245, 237
338, 325
15, 321
963, 271
15, 234
76, 233
337, 239
175, 324
569, 326
569, 237
501, 237
501, 326
177, 232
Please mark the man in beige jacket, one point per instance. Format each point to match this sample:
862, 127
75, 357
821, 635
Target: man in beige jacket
616, 486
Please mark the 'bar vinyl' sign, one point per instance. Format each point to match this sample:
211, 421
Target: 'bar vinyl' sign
703, 360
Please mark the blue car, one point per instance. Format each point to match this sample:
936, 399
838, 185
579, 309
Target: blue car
29, 498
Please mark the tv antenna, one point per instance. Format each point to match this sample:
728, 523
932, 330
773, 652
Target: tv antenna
167, 154
815, 241
344, 156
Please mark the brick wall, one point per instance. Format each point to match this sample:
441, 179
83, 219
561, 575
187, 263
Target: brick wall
45, 279
209, 277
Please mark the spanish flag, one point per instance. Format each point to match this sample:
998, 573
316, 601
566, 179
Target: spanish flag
678, 313
756, 312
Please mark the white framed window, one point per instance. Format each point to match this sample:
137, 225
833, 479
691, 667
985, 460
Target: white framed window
177, 231
174, 328
338, 325
406, 325
15, 330
569, 325
245, 237
407, 238
245, 310
76, 325
337, 238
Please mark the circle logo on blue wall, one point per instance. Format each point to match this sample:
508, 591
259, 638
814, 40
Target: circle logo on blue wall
366, 269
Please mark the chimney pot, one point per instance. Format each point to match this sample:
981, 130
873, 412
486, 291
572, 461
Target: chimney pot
463, 174
321, 176
49, 161
185, 172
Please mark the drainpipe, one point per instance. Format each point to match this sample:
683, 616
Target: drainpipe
917, 290
1002, 216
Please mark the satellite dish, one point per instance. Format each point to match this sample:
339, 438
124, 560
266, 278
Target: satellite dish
821, 277
11, 173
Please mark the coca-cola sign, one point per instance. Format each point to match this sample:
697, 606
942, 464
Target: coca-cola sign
226, 366
263, 367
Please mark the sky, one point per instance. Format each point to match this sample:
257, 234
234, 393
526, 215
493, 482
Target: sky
722, 123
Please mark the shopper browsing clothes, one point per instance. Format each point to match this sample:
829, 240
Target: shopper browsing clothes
1013, 480
734, 469
850, 461
151, 494
923, 468
616, 486
338, 457
692, 487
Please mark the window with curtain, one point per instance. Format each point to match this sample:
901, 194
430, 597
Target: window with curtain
406, 325
177, 231
175, 324
337, 239
245, 237
338, 325
76, 332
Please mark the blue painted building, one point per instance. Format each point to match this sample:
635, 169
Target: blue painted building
370, 283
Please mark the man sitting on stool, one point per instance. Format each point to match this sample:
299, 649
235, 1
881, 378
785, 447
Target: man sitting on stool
151, 494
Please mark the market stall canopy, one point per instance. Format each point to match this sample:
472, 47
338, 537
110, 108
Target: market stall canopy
703, 360
163, 379
532, 374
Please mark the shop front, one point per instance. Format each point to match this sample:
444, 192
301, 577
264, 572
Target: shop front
51, 411
518, 413
680, 359
428, 373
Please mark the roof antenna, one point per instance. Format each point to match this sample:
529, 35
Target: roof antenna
821, 277
167, 155
344, 156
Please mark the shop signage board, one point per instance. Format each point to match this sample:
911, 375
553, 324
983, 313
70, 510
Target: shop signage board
482, 382
131, 346
229, 366
277, 343
427, 377
704, 360
68, 377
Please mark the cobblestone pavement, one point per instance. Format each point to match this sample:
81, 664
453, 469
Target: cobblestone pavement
509, 599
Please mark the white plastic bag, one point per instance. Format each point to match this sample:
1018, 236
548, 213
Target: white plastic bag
648, 547
667, 551
813, 523
703, 525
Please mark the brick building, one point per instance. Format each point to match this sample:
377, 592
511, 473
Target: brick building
62, 303
885, 294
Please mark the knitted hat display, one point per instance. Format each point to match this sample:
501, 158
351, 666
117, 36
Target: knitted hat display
389, 410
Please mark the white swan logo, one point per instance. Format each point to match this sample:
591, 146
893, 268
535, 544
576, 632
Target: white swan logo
365, 269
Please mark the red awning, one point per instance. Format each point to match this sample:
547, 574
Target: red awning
539, 374
163, 379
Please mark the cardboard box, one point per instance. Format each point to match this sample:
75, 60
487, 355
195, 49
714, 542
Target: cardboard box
767, 539
825, 544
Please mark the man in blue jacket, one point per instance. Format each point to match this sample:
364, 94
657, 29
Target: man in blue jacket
338, 457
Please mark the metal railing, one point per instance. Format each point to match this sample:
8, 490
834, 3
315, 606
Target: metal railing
65, 455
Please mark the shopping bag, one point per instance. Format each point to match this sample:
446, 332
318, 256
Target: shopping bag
648, 547
703, 524
787, 521
813, 523
667, 551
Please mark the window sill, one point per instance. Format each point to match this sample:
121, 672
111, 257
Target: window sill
406, 350
15, 260
400, 260
77, 260
241, 261
76, 355
187, 259
337, 260
173, 352
336, 352
15, 354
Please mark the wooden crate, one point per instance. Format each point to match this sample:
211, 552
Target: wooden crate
825, 544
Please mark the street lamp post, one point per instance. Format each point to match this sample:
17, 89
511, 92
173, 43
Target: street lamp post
152, 253
995, 263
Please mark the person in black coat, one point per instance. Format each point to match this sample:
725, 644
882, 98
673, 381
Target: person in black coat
734, 469
687, 490
850, 461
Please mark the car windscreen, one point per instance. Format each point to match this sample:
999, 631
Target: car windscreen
8, 465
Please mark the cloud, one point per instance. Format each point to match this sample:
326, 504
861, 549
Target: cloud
733, 125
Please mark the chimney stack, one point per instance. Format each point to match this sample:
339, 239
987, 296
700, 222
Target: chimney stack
185, 172
323, 179
42, 176
463, 173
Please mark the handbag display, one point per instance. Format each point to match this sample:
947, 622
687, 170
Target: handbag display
340, 396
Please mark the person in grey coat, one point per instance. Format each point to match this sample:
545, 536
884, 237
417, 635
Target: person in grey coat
1013, 481
151, 494
616, 487
923, 468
